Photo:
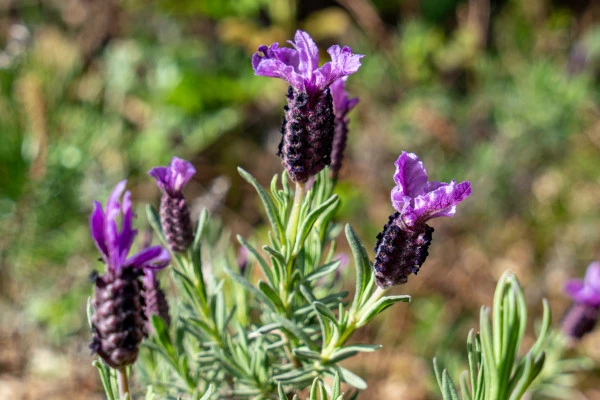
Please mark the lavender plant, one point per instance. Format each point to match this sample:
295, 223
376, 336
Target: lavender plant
496, 372
292, 332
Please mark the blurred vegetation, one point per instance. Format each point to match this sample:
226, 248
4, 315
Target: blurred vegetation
504, 94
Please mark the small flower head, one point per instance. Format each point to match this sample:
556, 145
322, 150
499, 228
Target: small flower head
342, 104
403, 245
174, 212
172, 179
299, 66
308, 125
586, 291
156, 301
119, 321
581, 318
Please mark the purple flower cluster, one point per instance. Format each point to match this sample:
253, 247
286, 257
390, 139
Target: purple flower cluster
402, 246
120, 315
583, 315
308, 124
174, 212
342, 105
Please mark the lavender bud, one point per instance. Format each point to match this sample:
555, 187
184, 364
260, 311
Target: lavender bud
579, 320
156, 301
118, 323
400, 252
174, 213
176, 222
307, 134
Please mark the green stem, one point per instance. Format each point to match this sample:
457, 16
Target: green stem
353, 319
292, 228
123, 383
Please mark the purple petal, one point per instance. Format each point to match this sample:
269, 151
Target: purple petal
342, 104
308, 54
162, 176
151, 257
343, 63
111, 232
442, 201
97, 228
410, 176
277, 69
592, 276
127, 232
181, 172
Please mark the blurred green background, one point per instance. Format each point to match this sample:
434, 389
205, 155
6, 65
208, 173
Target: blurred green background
502, 93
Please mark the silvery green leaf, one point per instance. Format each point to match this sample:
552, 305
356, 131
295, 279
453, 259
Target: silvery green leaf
448, 388
268, 204
362, 264
162, 333
335, 388
349, 377
209, 392
271, 294
261, 261
308, 222
381, 305
307, 353
280, 391
295, 330
251, 288
325, 312
322, 270
306, 374
105, 377
351, 350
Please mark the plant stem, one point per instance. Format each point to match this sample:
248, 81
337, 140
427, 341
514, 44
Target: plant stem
292, 227
123, 383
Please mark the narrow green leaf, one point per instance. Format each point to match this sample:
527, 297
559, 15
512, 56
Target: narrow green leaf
314, 390
295, 330
349, 377
271, 294
251, 288
307, 353
162, 333
352, 350
335, 388
379, 306
325, 312
105, 378
448, 386
268, 204
266, 270
282, 395
362, 264
323, 270
308, 222
209, 392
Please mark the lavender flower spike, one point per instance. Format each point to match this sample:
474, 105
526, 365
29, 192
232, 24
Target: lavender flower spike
308, 124
156, 301
403, 245
583, 315
118, 323
174, 213
342, 104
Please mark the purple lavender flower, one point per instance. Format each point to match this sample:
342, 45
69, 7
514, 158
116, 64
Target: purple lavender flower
174, 213
308, 124
342, 104
156, 301
403, 245
118, 322
583, 315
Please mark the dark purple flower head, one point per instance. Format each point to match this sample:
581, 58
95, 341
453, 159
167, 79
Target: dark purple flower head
586, 291
173, 178
403, 245
418, 200
300, 66
114, 243
342, 103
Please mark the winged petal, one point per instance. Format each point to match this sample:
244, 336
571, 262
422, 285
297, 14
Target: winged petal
442, 201
97, 229
308, 54
410, 176
151, 257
